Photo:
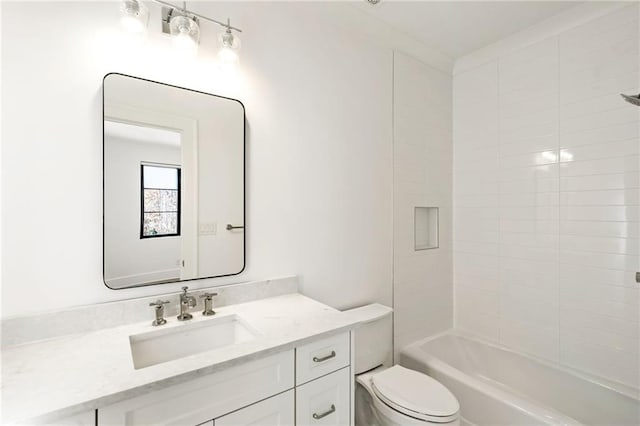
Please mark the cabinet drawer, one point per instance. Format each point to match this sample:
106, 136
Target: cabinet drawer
275, 411
325, 401
321, 357
205, 398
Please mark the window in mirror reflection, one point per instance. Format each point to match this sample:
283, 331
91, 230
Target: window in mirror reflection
160, 200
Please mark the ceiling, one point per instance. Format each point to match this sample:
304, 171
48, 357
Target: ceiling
141, 133
457, 28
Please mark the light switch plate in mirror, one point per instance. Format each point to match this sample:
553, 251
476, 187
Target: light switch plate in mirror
174, 167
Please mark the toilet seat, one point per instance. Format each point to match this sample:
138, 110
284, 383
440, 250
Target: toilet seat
415, 394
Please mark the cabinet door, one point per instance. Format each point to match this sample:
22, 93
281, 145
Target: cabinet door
205, 398
275, 411
325, 401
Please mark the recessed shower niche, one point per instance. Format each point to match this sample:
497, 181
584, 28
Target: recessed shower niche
425, 228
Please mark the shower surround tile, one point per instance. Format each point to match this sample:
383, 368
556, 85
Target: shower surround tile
422, 151
594, 182
559, 148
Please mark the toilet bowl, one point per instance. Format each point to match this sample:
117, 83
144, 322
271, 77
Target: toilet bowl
399, 396
390, 396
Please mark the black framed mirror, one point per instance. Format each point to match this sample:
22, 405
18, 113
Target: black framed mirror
174, 183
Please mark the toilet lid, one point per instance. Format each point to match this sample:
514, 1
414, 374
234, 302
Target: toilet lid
415, 392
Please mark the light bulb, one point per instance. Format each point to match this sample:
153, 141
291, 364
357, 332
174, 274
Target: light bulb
184, 42
185, 31
228, 56
229, 46
135, 16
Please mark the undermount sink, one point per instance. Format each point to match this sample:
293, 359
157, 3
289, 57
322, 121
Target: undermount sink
160, 346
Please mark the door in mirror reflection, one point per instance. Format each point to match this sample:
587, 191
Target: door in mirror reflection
173, 183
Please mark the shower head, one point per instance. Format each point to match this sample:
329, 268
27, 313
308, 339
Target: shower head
632, 99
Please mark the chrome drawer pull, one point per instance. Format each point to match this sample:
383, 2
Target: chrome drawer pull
326, 413
324, 358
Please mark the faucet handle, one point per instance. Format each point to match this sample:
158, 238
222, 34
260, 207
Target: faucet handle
208, 303
208, 295
184, 289
159, 309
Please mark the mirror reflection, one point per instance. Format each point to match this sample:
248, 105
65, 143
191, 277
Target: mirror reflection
173, 183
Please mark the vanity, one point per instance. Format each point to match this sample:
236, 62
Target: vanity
280, 360
296, 386
174, 211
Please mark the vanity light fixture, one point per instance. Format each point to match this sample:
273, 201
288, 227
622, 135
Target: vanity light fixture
185, 24
135, 16
229, 46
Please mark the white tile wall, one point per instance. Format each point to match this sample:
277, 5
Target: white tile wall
477, 206
423, 281
528, 201
599, 300
546, 198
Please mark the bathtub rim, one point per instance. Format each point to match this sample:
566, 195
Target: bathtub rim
540, 413
617, 387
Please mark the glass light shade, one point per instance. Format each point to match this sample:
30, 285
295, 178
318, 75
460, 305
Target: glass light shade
229, 45
135, 16
185, 31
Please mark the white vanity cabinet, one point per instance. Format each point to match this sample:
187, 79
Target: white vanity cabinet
203, 399
309, 385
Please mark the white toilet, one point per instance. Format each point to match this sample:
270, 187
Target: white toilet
388, 396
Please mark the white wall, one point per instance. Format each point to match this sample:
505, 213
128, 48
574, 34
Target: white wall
546, 195
128, 258
423, 280
319, 153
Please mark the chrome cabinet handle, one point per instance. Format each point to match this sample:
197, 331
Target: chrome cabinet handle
325, 414
230, 227
324, 358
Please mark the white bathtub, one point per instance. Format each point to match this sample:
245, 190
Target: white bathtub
496, 386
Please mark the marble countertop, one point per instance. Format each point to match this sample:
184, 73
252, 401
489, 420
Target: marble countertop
47, 380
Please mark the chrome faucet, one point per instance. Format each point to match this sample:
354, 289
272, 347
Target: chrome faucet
186, 302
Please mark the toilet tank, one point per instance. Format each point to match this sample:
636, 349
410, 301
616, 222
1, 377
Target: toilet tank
373, 338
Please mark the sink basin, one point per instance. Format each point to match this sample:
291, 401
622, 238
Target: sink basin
173, 343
